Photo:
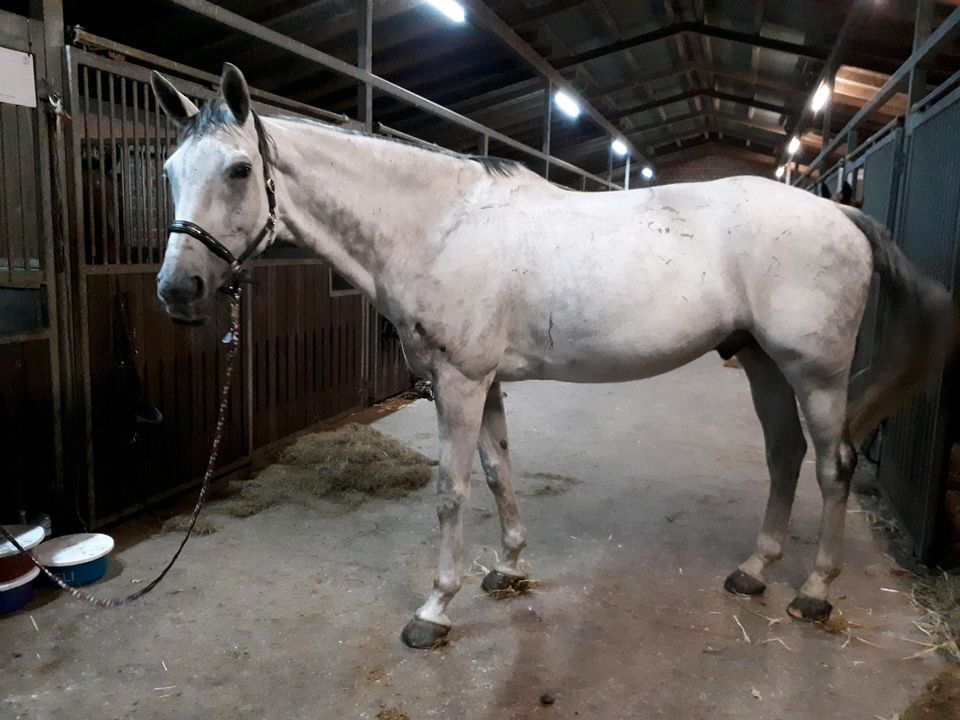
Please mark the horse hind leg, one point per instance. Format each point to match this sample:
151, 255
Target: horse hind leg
776, 407
824, 404
495, 458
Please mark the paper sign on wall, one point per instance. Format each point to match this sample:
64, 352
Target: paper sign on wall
16, 78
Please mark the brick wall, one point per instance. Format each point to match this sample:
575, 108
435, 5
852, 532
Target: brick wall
710, 167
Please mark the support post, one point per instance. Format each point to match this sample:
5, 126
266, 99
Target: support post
547, 126
365, 63
484, 145
626, 174
922, 29
370, 347
827, 130
60, 271
853, 140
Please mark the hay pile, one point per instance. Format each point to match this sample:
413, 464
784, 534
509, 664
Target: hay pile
938, 598
181, 523
546, 485
344, 467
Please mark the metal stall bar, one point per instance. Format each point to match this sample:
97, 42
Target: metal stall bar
913, 465
369, 357
248, 27
946, 33
83, 39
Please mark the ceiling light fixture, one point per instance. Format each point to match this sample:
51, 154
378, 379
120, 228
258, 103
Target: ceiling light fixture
451, 9
567, 104
820, 98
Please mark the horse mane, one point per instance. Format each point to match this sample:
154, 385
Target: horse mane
215, 115
493, 165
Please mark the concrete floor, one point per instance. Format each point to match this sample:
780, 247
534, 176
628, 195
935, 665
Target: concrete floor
293, 614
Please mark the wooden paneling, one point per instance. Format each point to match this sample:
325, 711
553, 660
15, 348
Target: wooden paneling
26, 427
181, 369
306, 350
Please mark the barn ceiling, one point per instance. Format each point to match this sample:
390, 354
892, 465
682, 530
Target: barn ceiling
670, 74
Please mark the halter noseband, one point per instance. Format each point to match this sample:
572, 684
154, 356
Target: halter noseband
218, 248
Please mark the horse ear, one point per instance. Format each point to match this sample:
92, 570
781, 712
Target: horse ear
174, 103
846, 193
234, 89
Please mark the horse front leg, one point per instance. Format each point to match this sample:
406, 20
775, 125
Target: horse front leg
495, 458
460, 403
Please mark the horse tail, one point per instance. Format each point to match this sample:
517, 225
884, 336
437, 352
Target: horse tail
921, 328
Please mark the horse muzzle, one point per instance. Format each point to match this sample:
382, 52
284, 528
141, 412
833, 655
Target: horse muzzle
183, 295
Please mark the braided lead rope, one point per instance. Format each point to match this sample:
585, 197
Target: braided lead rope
233, 339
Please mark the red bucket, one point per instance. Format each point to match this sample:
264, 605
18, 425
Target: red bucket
12, 563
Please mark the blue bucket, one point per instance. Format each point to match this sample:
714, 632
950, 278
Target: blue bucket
76, 559
17, 593
83, 574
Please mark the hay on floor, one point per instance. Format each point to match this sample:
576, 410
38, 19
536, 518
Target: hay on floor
344, 466
937, 596
180, 524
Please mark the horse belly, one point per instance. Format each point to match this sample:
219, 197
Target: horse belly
620, 341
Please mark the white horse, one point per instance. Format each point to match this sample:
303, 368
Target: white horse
492, 274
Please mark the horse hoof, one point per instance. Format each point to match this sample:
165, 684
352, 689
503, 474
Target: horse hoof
809, 609
496, 582
423, 634
739, 583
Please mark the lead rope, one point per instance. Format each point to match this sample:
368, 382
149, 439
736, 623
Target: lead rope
233, 340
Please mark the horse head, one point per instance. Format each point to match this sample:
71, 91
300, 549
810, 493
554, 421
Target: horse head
222, 194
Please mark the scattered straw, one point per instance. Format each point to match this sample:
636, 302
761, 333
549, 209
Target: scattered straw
937, 598
836, 624
885, 525
345, 466
746, 638
180, 523
392, 714
771, 621
522, 587
548, 485
776, 639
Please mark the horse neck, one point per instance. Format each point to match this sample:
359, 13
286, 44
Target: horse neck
371, 207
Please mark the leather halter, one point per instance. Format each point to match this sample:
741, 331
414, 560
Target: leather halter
186, 227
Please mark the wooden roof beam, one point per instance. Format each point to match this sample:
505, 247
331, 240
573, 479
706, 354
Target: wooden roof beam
483, 16
669, 31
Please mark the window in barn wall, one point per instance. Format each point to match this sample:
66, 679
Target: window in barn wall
340, 286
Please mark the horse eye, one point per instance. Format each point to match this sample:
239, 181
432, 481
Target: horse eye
241, 171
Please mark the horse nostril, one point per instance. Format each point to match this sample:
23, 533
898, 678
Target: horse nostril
182, 290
